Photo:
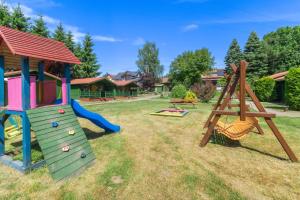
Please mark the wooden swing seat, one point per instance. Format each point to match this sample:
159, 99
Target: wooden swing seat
237, 129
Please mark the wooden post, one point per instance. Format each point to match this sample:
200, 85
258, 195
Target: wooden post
26, 106
2, 99
242, 91
68, 81
41, 69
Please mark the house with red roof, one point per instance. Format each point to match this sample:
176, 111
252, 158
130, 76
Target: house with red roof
102, 87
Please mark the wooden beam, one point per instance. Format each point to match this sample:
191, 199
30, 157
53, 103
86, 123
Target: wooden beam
242, 92
26, 140
41, 68
209, 131
281, 140
247, 114
25, 83
225, 90
67, 73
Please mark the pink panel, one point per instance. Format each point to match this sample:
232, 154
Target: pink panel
64, 91
14, 88
49, 91
33, 92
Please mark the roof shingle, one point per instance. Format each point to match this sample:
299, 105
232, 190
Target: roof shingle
27, 44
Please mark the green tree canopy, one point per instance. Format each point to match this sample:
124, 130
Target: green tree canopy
18, 19
70, 41
5, 17
148, 61
89, 66
59, 33
77, 71
234, 55
283, 49
188, 67
255, 53
40, 28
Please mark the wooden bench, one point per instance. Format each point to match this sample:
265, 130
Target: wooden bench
181, 102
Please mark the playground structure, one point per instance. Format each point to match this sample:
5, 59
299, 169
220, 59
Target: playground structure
247, 120
63, 143
171, 112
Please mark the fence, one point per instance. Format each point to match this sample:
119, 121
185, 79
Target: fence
106, 94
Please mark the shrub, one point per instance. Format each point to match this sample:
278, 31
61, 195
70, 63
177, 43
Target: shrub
190, 97
222, 82
263, 88
178, 91
207, 92
292, 81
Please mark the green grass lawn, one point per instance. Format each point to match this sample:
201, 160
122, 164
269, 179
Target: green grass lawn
158, 157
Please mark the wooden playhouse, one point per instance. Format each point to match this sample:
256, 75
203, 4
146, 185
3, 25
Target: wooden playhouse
63, 143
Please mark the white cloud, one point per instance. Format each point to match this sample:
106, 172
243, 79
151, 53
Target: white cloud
139, 41
101, 38
190, 27
37, 3
52, 22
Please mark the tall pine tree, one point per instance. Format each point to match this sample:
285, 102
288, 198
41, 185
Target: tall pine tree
59, 33
40, 28
89, 66
5, 18
234, 55
255, 53
18, 19
77, 72
70, 41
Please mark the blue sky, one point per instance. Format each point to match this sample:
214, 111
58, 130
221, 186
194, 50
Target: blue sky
120, 27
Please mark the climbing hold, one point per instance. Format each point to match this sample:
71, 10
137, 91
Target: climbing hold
83, 155
61, 111
54, 124
71, 132
65, 149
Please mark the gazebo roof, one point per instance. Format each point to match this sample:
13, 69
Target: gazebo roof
27, 44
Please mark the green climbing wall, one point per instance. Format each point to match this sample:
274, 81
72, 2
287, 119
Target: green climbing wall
52, 139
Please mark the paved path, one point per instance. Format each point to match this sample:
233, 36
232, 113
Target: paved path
140, 98
278, 112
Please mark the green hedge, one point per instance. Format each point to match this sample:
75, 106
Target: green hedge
292, 81
178, 91
263, 88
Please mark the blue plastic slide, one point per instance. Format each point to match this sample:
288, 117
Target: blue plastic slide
93, 117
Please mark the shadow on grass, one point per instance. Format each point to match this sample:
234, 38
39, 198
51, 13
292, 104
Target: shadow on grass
92, 135
263, 153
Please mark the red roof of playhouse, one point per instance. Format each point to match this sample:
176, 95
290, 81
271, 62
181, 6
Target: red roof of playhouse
27, 44
80, 81
279, 76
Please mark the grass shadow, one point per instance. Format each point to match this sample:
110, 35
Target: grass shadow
92, 135
263, 153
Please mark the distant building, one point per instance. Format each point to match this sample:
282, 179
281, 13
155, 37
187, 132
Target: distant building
162, 86
213, 76
280, 85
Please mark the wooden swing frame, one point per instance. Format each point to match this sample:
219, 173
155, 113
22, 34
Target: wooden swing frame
238, 77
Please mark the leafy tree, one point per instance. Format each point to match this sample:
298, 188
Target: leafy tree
5, 17
89, 66
148, 61
255, 54
283, 48
70, 41
77, 72
234, 55
292, 82
18, 19
40, 28
263, 88
59, 33
188, 67
178, 91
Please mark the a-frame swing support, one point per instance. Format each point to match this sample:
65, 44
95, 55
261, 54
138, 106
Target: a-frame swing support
239, 77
